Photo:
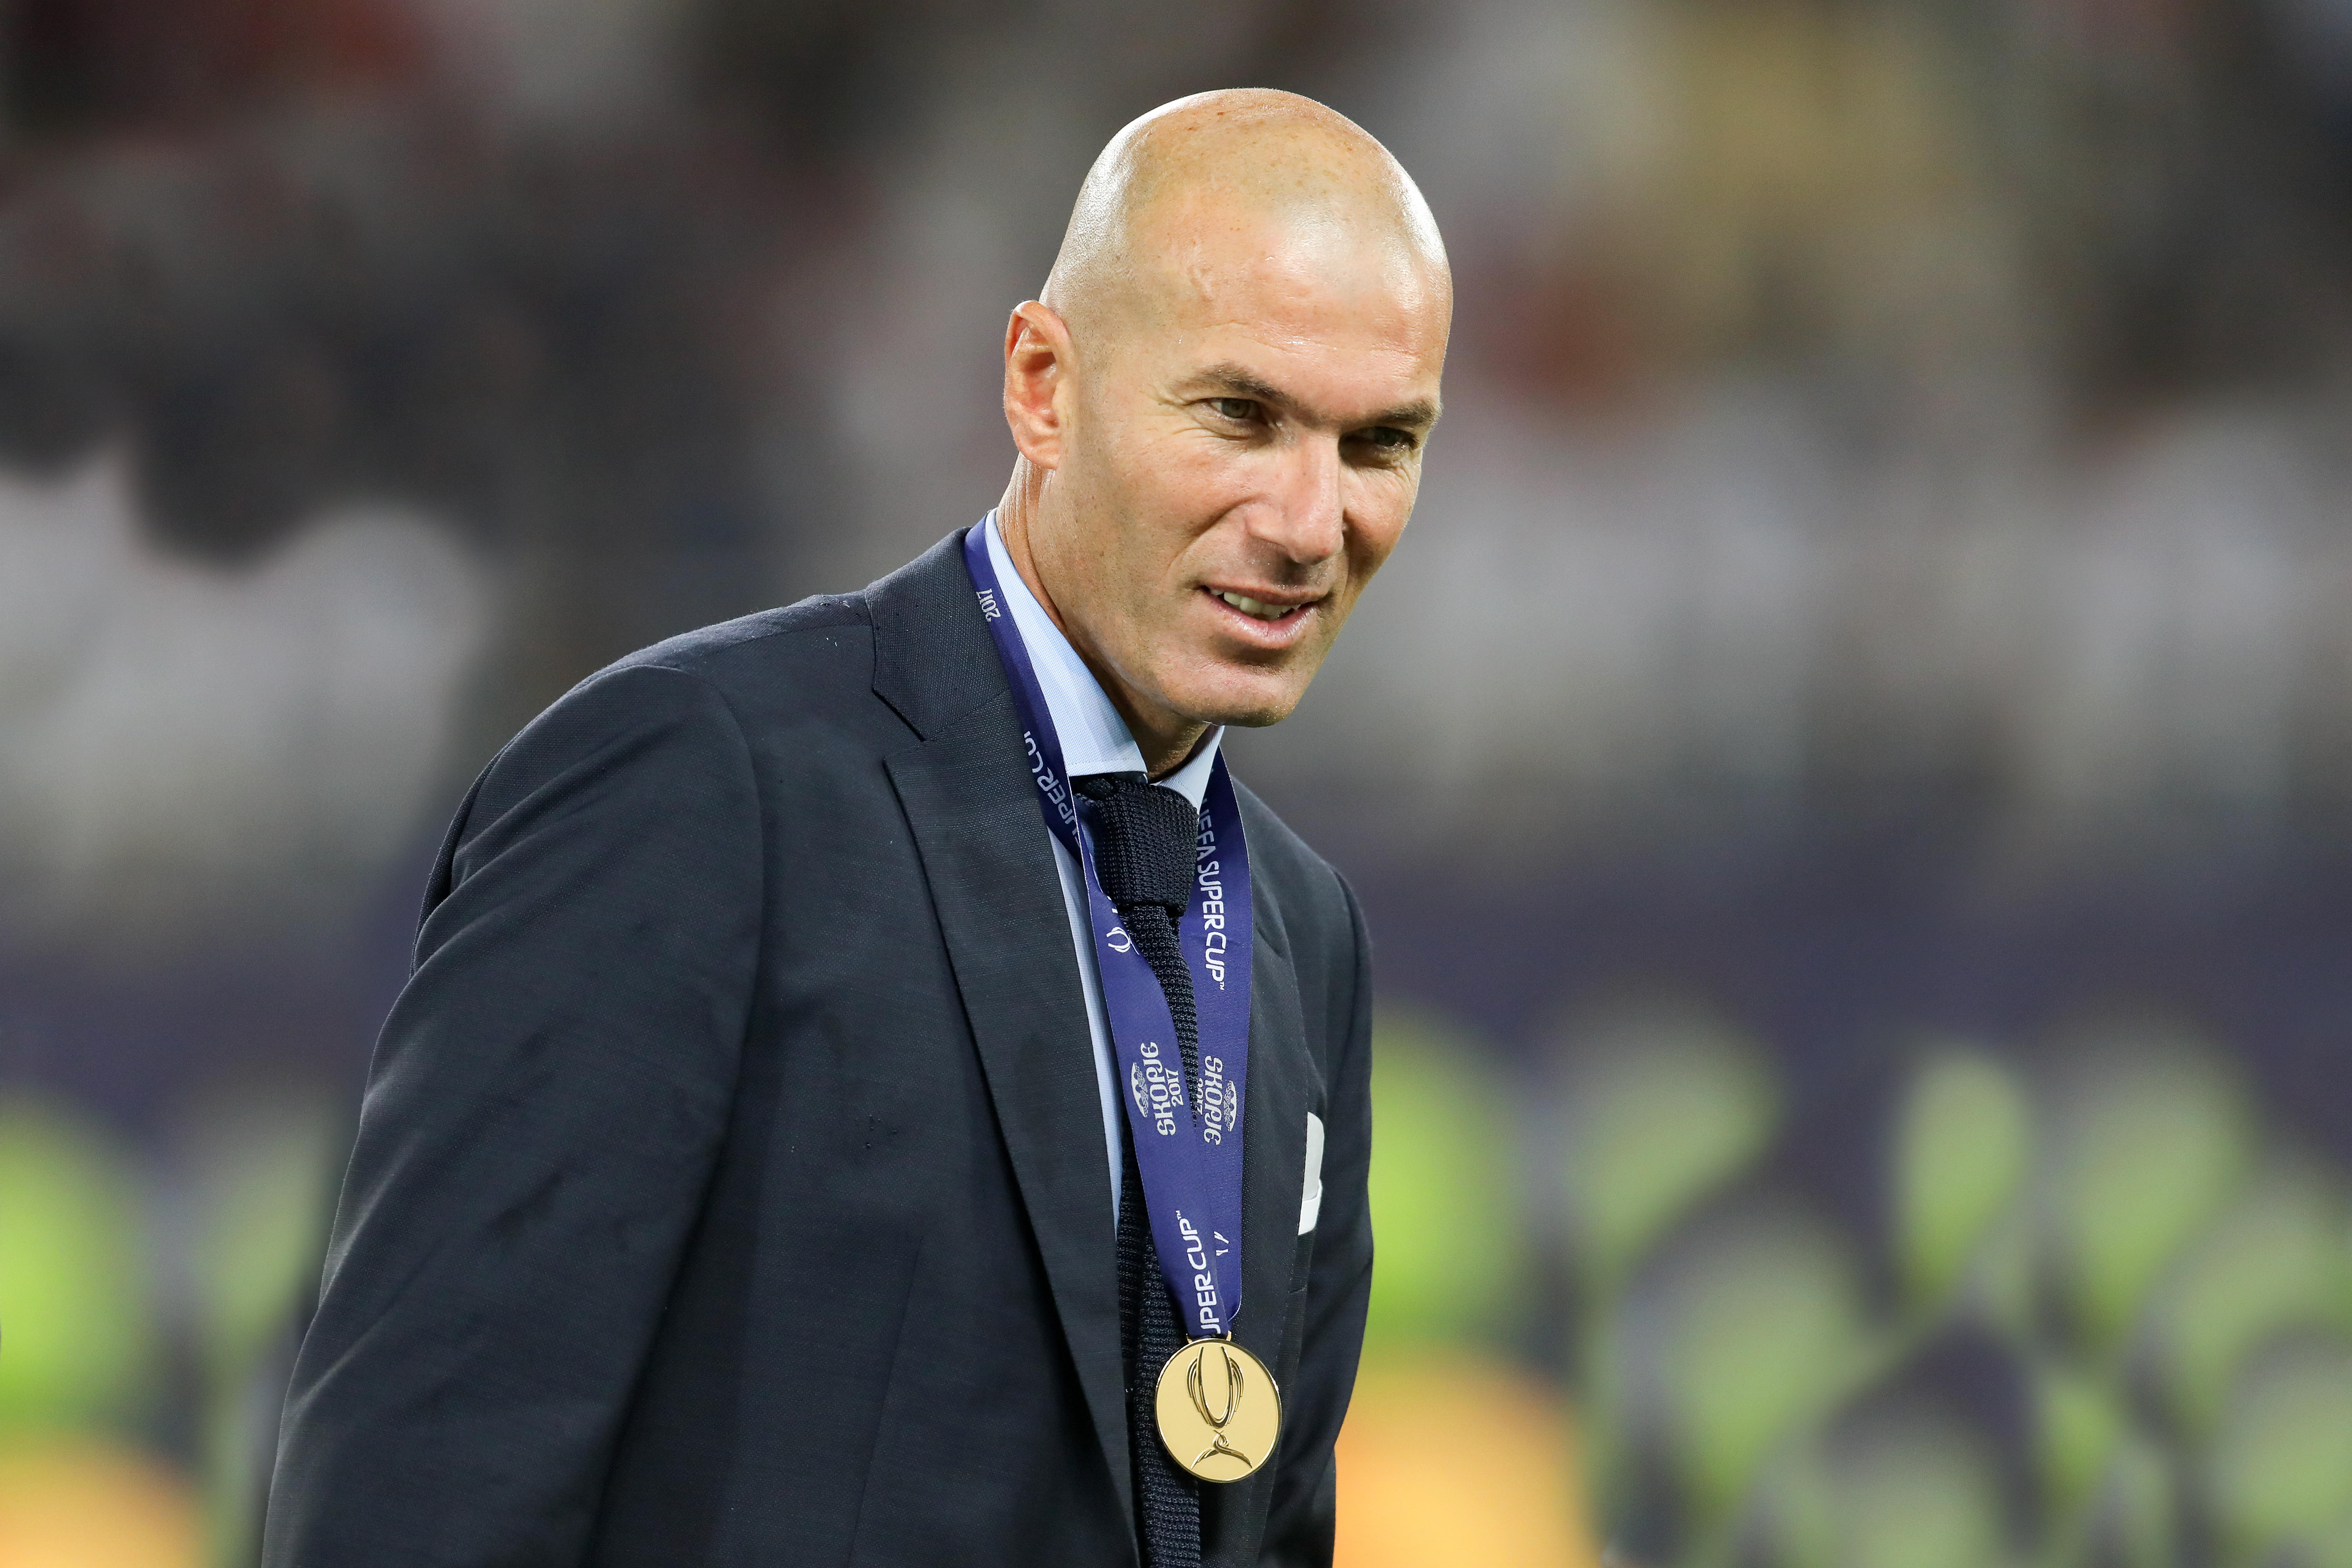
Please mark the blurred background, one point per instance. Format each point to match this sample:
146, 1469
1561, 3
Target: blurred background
1849, 769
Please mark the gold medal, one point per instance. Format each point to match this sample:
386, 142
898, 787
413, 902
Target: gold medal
1220, 1413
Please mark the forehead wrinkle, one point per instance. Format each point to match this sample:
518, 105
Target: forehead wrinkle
1289, 307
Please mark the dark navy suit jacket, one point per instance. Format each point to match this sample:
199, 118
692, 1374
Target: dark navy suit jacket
729, 1187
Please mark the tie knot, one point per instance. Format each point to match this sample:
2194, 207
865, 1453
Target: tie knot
1144, 839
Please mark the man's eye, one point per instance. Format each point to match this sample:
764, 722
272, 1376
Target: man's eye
1240, 410
1389, 438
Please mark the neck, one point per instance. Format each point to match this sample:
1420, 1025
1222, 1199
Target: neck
1164, 737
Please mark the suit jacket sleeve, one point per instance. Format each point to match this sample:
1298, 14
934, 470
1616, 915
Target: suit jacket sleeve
541, 1122
1338, 1289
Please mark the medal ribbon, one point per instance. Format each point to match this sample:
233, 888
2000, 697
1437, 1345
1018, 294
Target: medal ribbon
1190, 1157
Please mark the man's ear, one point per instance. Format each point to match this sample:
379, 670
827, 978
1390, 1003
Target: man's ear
1036, 382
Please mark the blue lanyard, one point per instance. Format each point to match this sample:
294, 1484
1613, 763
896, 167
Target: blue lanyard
1190, 1164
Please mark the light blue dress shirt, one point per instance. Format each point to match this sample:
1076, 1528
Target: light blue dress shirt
1094, 739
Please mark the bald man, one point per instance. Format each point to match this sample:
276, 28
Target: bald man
873, 1087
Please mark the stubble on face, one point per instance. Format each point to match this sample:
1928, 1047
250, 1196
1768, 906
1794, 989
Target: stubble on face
1253, 338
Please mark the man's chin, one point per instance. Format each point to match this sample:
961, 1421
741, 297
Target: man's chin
1247, 704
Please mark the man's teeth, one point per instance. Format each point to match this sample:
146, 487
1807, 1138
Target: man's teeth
1257, 607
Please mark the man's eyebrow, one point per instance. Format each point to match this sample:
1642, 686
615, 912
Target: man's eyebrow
1418, 415
1233, 381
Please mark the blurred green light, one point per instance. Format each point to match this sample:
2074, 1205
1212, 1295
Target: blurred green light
1960, 1161
75, 1339
1443, 1186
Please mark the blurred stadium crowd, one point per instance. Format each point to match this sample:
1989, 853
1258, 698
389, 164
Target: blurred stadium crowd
1848, 770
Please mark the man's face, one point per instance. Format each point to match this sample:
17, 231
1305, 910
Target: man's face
1240, 460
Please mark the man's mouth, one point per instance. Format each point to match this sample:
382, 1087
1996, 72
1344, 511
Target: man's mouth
1258, 609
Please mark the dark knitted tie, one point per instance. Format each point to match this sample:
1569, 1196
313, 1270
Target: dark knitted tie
1143, 845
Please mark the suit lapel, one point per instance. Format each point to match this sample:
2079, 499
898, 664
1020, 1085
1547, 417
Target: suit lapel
1282, 1088
969, 801
1273, 1136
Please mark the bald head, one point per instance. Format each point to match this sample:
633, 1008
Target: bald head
1220, 404
1222, 182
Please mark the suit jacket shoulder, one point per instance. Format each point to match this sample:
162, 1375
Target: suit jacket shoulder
823, 628
1310, 888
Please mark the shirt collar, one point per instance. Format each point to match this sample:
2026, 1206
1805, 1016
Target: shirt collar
1095, 739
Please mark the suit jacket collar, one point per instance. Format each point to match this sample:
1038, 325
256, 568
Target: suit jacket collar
933, 660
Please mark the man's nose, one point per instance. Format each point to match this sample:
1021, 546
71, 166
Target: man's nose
1307, 521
